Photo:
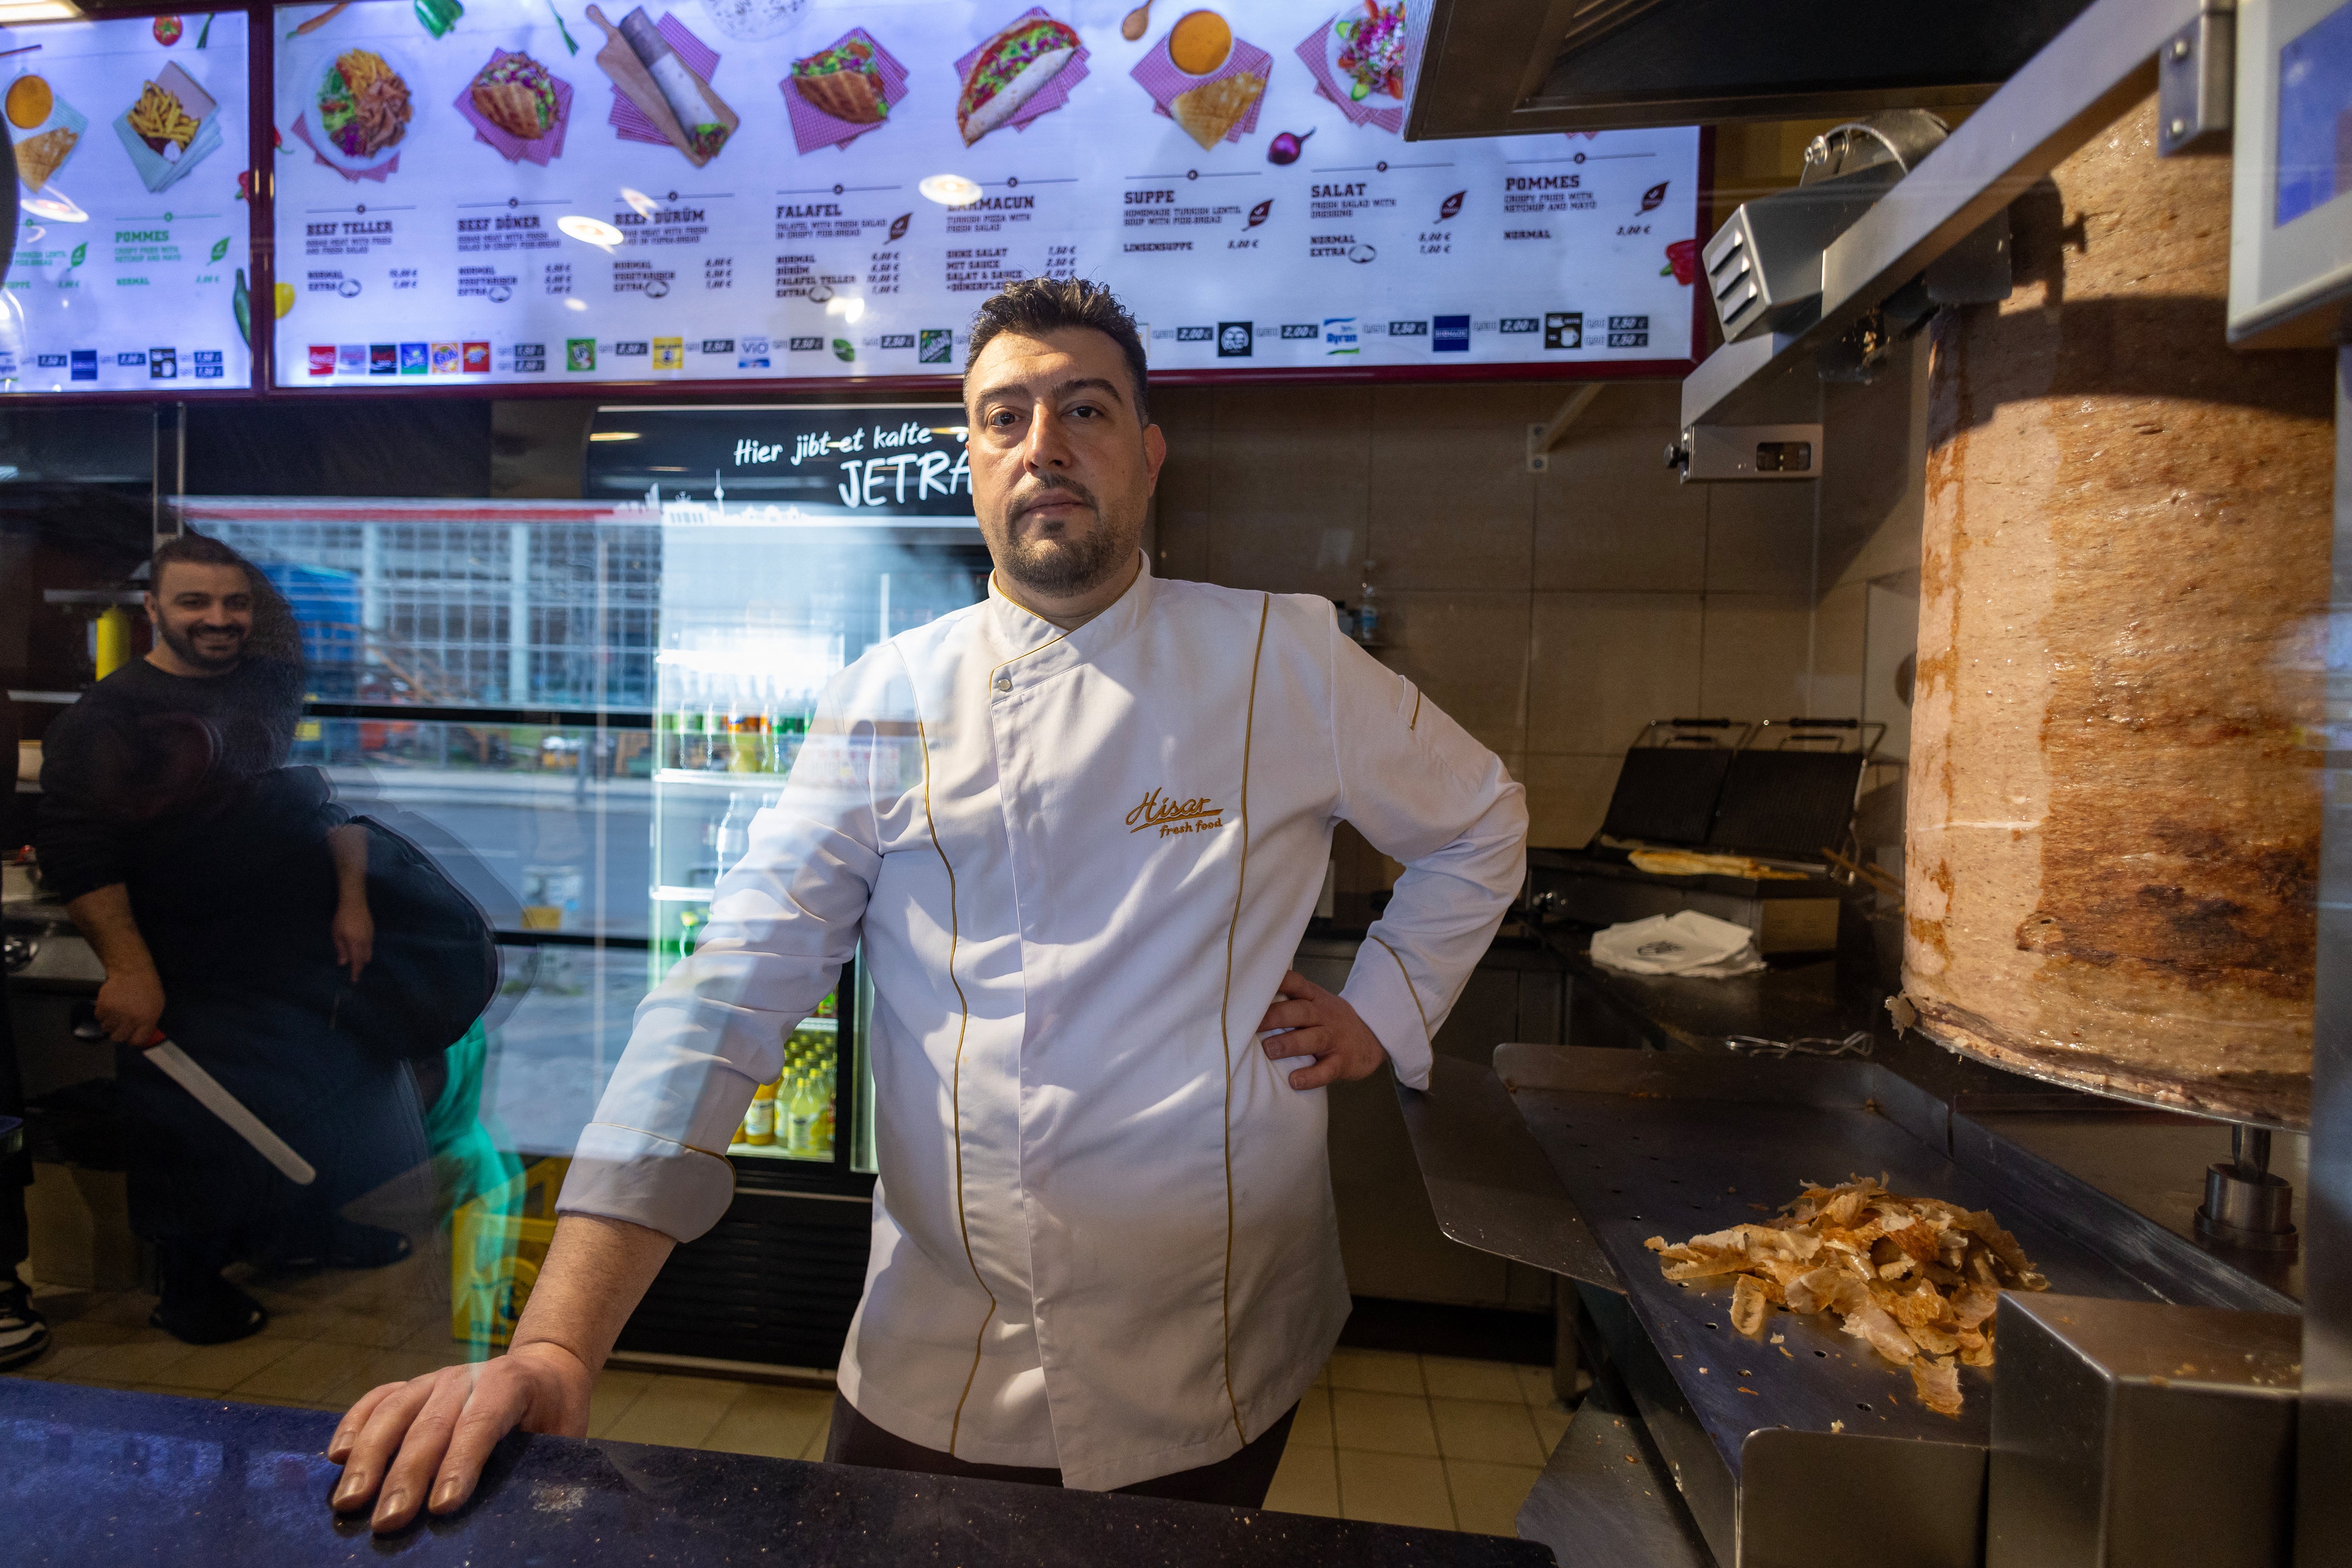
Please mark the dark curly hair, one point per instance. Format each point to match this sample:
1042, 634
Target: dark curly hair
1036, 306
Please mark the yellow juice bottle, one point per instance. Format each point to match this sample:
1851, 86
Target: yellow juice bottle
759, 1121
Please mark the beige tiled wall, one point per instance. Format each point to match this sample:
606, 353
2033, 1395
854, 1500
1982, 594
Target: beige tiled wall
1552, 615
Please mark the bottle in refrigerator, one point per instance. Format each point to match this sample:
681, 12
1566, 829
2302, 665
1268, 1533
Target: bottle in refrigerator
747, 731
691, 743
668, 738
735, 830
795, 1118
717, 750
759, 1121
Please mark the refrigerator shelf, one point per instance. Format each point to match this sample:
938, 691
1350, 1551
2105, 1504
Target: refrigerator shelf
776, 1151
719, 779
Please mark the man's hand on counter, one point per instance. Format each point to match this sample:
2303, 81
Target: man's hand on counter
422, 1444
1319, 1024
399, 1437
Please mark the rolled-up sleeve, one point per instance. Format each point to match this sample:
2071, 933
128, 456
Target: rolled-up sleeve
1422, 791
784, 921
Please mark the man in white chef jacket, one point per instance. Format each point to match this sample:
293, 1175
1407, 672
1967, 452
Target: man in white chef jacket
1078, 830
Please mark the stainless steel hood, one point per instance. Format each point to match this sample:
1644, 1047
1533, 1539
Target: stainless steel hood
1502, 67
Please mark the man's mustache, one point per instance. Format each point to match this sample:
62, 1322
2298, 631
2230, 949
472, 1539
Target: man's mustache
1047, 492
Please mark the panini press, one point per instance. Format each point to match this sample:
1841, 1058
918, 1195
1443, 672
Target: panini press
1781, 792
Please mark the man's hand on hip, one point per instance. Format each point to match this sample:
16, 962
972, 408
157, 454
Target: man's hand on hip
1319, 1024
407, 1447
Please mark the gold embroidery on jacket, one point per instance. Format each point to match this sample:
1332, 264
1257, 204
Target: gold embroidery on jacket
1224, 1015
1173, 817
955, 1093
690, 1148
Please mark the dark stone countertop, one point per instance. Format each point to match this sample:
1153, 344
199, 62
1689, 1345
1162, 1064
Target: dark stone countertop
94, 1476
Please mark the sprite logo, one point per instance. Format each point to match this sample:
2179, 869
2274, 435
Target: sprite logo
220, 247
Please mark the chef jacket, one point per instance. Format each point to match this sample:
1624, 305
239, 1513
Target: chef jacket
1079, 864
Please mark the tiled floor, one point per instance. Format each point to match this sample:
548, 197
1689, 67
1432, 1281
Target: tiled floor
1383, 1436
1418, 1440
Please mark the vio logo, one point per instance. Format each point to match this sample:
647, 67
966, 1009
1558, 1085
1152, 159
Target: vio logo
1172, 817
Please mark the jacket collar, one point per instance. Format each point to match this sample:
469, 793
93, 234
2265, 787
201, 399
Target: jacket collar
1018, 632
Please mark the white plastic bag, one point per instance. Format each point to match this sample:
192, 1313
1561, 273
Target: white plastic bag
1686, 944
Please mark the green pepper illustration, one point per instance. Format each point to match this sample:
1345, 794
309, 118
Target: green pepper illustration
438, 15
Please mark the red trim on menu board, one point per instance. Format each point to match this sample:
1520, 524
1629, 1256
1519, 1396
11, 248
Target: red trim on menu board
947, 386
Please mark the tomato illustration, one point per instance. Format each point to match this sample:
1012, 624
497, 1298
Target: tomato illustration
167, 30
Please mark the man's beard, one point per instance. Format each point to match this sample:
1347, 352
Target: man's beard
185, 645
1065, 563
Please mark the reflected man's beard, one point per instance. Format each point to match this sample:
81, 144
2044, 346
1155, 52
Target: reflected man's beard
185, 645
1069, 562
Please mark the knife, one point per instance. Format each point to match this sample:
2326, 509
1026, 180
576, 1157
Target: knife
182, 1070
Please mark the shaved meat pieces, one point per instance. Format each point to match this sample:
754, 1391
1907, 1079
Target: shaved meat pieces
1938, 1383
1748, 1305
1917, 1279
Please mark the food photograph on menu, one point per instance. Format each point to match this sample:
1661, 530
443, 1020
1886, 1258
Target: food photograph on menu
554, 192
132, 262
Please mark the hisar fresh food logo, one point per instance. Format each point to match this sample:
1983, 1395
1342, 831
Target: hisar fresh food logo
1173, 817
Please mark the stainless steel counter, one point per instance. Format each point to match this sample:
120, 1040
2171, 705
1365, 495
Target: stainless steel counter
1671, 1133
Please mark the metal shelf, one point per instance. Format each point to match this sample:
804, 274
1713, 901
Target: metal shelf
715, 780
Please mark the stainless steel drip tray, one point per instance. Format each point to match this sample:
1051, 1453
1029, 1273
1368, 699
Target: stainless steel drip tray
1655, 1144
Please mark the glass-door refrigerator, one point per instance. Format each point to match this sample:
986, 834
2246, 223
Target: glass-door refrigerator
792, 540
576, 706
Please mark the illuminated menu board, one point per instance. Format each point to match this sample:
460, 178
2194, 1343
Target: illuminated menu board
551, 192
130, 271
